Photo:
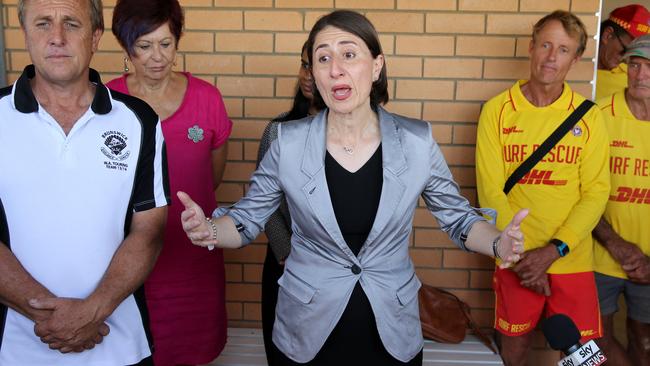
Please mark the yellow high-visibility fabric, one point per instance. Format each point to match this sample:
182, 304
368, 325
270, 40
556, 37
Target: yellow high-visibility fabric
566, 191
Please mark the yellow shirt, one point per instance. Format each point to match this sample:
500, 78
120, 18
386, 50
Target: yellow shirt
609, 82
566, 191
628, 208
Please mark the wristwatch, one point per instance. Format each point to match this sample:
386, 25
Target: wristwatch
561, 247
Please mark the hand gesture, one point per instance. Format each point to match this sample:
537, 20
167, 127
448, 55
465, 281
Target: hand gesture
197, 229
71, 327
511, 241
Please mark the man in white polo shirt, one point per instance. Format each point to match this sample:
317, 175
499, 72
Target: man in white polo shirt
83, 196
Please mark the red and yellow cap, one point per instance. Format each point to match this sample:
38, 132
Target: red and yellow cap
634, 18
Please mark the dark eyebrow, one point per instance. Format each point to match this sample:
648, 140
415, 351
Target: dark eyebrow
345, 42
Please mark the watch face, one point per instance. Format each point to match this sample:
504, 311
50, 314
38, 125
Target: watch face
561, 246
564, 249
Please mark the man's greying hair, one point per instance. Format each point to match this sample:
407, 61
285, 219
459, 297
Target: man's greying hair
96, 13
572, 25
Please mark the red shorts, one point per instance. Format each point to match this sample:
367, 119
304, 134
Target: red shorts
518, 309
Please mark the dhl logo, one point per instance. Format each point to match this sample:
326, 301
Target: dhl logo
621, 143
541, 177
587, 333
509, 130
631, 195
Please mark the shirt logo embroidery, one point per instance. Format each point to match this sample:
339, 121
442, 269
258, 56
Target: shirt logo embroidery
541, 177
509, 130
195, 133
577, 131
621, 143
115, 145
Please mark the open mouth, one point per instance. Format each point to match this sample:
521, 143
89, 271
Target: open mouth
341, 92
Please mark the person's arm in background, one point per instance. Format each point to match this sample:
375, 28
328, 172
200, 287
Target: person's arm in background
222, 129
219, 157
277, 229
634, 262
464, 224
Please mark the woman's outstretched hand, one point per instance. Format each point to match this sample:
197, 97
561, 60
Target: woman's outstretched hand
511, 243
197, 229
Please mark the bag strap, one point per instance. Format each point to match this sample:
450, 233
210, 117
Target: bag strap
470, 321
547, 145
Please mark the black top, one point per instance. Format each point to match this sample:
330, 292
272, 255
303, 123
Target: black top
355, 197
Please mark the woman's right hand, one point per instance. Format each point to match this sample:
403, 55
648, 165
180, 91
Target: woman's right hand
196, 227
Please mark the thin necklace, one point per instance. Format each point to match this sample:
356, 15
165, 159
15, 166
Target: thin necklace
348, 150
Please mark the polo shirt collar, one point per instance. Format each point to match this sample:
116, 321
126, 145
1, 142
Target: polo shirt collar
620, 107
25, 101
564, 102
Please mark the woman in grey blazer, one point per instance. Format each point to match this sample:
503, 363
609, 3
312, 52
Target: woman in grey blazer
352, 176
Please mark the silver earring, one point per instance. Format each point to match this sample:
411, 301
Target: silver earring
126, 64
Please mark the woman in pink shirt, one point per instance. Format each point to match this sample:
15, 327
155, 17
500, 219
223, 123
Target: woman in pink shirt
185, 292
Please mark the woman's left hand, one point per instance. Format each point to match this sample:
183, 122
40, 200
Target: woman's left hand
511, 243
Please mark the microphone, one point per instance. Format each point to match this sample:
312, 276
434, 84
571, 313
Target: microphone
563, 335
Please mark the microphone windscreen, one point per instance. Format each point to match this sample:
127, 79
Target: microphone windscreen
560, 332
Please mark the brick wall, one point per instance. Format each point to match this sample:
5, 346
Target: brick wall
444, 58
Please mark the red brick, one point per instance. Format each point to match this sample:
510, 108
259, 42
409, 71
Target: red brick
243, 292
451, 111
458, 68
480, 90
423, 218
461, 259
252, 253
432, 238
253, 273
425, 89
233, 272
492, 5
481, 279
465, 134
235, 310
252, 311
248, 129
443, 278
464, 176
458, 155
441, 133
229, 192
427, 4
426, 258
273, 20
409, 109
265, 108
476, 298
236, 171
250, 150
397, 22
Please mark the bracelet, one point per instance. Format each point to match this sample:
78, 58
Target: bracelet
213, 226
495, 247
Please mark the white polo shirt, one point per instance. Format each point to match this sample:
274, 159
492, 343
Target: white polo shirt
66, 204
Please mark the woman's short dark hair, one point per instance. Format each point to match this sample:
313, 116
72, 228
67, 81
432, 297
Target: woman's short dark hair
134, 18
360, 26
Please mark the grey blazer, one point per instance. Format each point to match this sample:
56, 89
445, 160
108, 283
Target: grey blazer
321, 271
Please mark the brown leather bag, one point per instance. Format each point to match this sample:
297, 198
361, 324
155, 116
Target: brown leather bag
445, 318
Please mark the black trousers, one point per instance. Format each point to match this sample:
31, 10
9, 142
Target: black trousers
145, 362
271, 273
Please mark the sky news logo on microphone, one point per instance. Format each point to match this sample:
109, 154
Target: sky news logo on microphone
587, 355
